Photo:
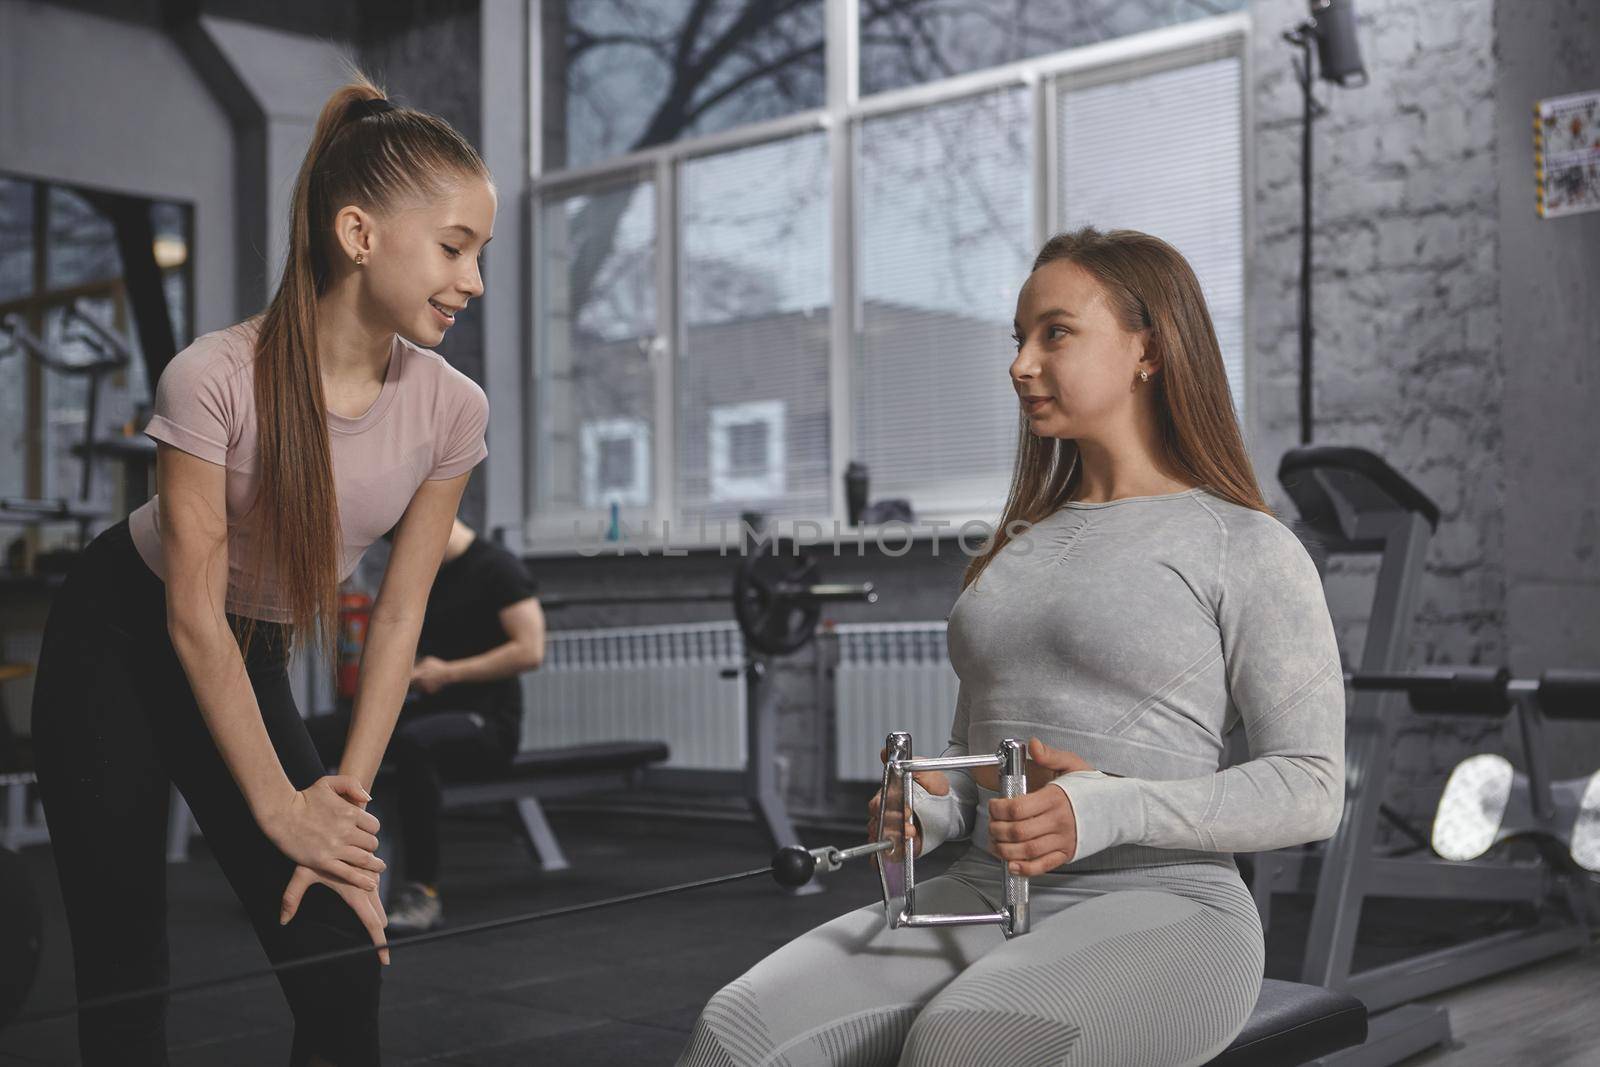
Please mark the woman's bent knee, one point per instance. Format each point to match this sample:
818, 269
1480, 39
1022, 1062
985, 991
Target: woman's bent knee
335, 1004
730, 1031
1131, 977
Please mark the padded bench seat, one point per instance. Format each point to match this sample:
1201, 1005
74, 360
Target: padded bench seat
570, 770
554, 772
610, 756
1294, 1023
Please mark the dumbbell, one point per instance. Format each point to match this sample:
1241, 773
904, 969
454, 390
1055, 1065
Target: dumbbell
1486, 800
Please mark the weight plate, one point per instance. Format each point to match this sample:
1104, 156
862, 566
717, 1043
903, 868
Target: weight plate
772, 622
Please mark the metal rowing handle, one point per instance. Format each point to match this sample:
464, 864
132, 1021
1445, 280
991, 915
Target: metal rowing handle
794, 866
1014, 783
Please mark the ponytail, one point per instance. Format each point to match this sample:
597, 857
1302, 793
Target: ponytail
366, 152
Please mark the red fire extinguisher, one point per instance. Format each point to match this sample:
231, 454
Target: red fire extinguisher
355, 613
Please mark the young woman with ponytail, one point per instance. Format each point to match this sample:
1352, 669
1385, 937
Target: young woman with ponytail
288, 443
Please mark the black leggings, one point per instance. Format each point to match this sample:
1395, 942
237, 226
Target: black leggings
114, 721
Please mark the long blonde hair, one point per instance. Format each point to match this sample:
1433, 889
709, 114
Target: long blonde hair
1149, 286
370, 160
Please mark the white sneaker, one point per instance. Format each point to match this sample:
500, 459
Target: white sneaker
416, 910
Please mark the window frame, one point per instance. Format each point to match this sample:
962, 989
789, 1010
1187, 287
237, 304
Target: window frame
35, 307
571, 532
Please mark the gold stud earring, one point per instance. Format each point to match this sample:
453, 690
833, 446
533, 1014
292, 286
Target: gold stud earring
361, 257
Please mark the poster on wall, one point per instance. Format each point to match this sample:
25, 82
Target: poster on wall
1566, 154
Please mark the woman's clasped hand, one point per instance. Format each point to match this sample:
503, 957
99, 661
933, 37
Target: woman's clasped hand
326, 829
1038, 831
1031, 834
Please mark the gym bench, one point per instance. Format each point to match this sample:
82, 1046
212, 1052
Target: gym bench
544, 773
1293, 1024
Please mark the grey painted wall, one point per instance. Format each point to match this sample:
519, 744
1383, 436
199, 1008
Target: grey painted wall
506, 276
109, 104
284, 79
1549, 295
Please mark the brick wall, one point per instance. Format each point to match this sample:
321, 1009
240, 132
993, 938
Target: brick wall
1406, 292
1550, 320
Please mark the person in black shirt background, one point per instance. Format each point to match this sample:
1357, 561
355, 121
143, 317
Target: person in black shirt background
463, 717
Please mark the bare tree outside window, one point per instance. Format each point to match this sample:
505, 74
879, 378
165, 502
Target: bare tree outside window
635, 73
943, 225
914, 43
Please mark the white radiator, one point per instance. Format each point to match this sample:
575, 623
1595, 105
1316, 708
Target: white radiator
648, 683
891, 676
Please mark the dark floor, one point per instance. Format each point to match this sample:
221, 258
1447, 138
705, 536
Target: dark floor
617, 985
609, 987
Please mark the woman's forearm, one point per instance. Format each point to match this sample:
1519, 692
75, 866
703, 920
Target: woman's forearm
215, 669
381, 686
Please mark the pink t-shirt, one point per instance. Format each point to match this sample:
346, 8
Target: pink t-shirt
427, 423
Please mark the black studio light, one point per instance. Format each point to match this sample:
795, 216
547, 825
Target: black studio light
1331, 31
1333, 23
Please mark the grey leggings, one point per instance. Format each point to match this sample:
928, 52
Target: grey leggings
1140, 957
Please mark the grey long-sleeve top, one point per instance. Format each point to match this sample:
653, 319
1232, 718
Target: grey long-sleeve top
1137, 633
